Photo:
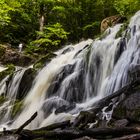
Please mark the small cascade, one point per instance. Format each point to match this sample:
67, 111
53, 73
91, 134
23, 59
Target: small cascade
77, 77
3, 87
8, 91
14, 83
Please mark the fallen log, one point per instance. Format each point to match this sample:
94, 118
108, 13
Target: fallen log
93, 133
128, 137
18, 131
61, 125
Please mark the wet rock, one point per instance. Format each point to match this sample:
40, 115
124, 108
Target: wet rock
26, 83
52, 103
134, 72
65, 108
10, 137
121, 123
67, 50
128, 108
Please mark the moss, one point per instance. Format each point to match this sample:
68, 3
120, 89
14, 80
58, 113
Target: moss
119, 112
122, 29
9, 71
2, 50
43, 60
136, 114
17, 107
2, 99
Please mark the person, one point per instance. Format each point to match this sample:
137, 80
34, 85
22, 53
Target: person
20, 47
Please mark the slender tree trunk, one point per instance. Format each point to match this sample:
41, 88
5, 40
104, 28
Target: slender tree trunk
41, 18
41, 22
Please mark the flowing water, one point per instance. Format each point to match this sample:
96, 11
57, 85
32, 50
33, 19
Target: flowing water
77, 77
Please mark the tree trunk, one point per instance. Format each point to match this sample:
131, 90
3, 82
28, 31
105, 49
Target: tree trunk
41, 22
41, 18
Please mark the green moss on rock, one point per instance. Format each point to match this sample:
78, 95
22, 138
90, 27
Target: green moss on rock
17, 107
43, 60
9, 71
2, 99
122, 29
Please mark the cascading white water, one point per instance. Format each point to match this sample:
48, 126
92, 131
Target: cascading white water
36, 97
9, 93
80, 75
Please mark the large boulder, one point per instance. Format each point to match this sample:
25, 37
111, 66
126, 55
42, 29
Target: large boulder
128, 108
26, 83
111, 21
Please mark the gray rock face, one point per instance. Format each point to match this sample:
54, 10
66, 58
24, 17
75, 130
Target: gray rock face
129, 108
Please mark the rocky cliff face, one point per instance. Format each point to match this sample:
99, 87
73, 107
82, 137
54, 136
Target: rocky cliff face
12, 56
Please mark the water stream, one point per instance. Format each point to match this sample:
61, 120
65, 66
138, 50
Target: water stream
77, 77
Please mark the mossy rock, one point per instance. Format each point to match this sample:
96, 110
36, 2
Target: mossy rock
43, 60
122, 29
9, 71
2, 99
17, 107
120, 32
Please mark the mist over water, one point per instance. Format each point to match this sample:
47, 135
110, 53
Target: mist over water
77, 77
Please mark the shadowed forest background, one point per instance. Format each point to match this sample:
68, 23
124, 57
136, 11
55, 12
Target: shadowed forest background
45, 25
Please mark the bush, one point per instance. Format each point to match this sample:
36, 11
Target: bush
52, 37
127, 7
91, 29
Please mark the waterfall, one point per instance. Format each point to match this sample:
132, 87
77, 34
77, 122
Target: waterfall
79, 76
9, 90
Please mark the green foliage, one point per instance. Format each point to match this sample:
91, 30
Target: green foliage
16, 107
9, 71
127, 7
122, 29
51, 38
91, 29
20, 20
6, 6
